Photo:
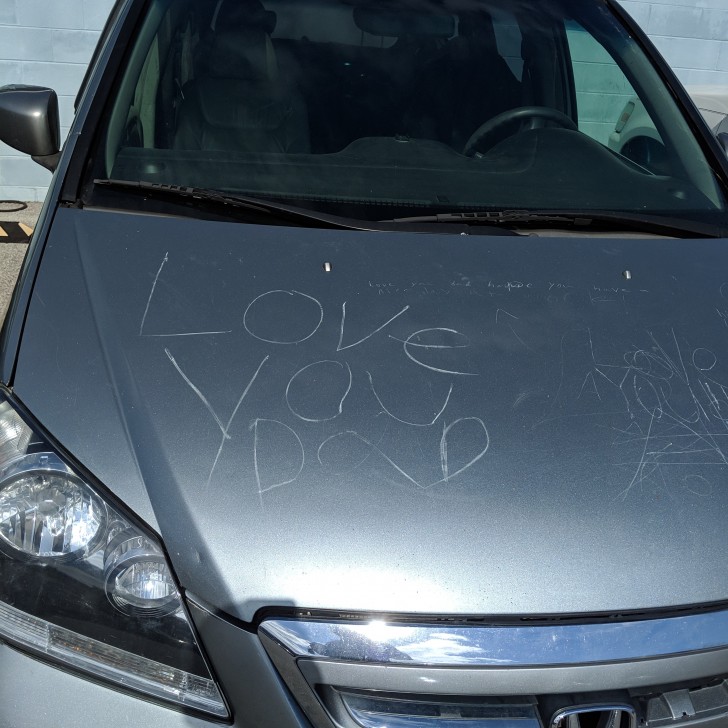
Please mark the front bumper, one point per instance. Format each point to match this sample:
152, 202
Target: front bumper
286, 674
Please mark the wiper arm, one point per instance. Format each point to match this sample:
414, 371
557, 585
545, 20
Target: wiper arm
254, 204
278, 211
580, 220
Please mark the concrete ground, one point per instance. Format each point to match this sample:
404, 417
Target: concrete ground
12, 254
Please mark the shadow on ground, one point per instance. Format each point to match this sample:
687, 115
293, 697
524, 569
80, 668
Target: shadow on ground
12, 253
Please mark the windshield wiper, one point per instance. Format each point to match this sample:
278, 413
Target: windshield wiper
282, 213
264, 207
586, 220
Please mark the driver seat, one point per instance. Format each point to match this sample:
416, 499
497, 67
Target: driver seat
238, 100
467, 84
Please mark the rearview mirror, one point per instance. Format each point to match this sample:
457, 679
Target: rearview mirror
29, 122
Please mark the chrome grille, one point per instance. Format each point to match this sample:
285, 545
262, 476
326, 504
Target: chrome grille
359, 673
596, 716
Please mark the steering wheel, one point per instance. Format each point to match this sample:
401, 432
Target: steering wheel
478, 141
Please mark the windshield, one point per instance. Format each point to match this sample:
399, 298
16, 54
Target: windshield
388, 108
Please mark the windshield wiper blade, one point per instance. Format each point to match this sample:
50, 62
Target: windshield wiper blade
495, 217
254, 204
617, 221
277, 210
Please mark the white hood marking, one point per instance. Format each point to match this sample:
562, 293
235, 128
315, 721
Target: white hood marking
151, 293
369, 336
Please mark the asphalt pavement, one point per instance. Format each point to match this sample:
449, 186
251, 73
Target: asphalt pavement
12, 253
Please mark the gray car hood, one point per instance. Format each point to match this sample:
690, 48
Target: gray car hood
439, 424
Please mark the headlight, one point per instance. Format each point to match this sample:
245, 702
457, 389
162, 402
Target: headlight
46, 511
82, 583
137, 578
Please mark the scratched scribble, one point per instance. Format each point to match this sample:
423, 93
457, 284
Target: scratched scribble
670, 397
657, 401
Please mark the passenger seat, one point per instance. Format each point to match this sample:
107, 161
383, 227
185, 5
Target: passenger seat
238, 100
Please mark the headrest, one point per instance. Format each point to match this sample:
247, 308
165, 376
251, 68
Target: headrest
241, 14
395, 21
239, 54
478, 25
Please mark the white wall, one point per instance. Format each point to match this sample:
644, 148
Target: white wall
49, 42
691, 34
45, 43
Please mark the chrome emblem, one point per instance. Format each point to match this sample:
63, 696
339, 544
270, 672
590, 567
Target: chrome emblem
596, 716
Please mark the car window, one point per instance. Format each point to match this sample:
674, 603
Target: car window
609, 110
509, 40
373, 110
602, 89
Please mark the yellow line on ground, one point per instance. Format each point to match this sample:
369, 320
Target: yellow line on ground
3, 234
26, 229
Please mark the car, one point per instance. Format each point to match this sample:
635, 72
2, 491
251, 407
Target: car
353, 379
636, 137
712, 102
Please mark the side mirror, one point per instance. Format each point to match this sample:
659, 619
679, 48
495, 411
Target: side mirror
29, 122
